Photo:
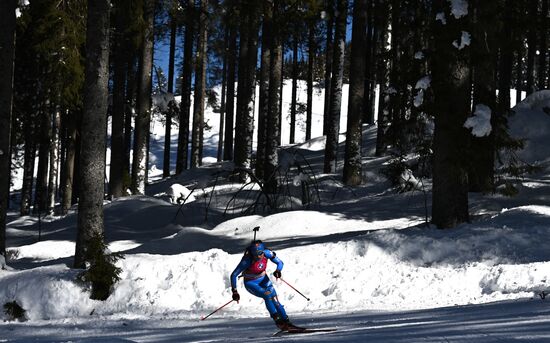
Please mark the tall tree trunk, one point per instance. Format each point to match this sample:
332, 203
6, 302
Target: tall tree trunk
222, 106
169, 113
185, 105
263, 108
244, 126
532, 46
505, 62
116, 171
484, 55
383, 18
370, 86
274, 118
28, 167
452, 89
543, 30
7, 51
333, 128
41, 199
352, 162
129, 110
68, 179
143, 119
310, 63
90, 206
54, 158
230, 96
328, 62
200, 87
519, 69
294, 88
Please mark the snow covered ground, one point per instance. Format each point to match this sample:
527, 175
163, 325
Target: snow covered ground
364, 256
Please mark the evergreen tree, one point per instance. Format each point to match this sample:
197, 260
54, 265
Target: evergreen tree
352, 162
187, 71
244, 125
452, 89
143, 119
7, 49
90, 206
333, 123
200, 86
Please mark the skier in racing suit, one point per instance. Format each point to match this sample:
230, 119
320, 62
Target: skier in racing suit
256, 281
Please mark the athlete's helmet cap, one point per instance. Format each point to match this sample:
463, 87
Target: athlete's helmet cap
257, 248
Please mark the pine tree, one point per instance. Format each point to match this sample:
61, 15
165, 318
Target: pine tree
452, 89
171, 62
263, 107
7, 50
274, 114
230, 96
187, 73
90, 206
484, 55
120, 48
143, 119
333, 123
244, 125
352, 161
200, 86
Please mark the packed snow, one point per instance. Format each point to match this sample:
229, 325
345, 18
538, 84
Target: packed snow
365, 257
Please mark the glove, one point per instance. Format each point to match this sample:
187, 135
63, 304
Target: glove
236, 295
277, 273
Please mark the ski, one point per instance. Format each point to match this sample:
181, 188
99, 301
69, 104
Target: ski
301, 331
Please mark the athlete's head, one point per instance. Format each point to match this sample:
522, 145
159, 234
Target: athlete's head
256, 249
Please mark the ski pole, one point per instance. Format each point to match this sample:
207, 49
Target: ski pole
294, 288
219, 308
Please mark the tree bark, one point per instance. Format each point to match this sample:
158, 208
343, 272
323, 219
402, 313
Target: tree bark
222, 106
41, 199
333, 128
543, 30
200, 85
310, 63
90, 206
274, 118
7, 53
294, 89
143, 119
54, 159
370, 86
484, 55
531, 46
170, 112
244, 128
328, 62
28, 167
383, 18
230, 96
452, 90
263, 108
352, 161
185, 105
68, 179
116, 172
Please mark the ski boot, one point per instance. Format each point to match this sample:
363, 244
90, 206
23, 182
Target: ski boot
282, 323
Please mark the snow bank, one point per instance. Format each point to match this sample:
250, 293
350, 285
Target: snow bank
500, 258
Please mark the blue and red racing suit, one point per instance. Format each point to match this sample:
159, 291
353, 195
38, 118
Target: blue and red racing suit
257, 282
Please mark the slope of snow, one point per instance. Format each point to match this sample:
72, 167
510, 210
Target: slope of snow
369, 264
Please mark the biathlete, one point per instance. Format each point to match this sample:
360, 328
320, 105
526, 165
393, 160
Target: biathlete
256, 281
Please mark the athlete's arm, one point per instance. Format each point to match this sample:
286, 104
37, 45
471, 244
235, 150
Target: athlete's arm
245, 263
273, 257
